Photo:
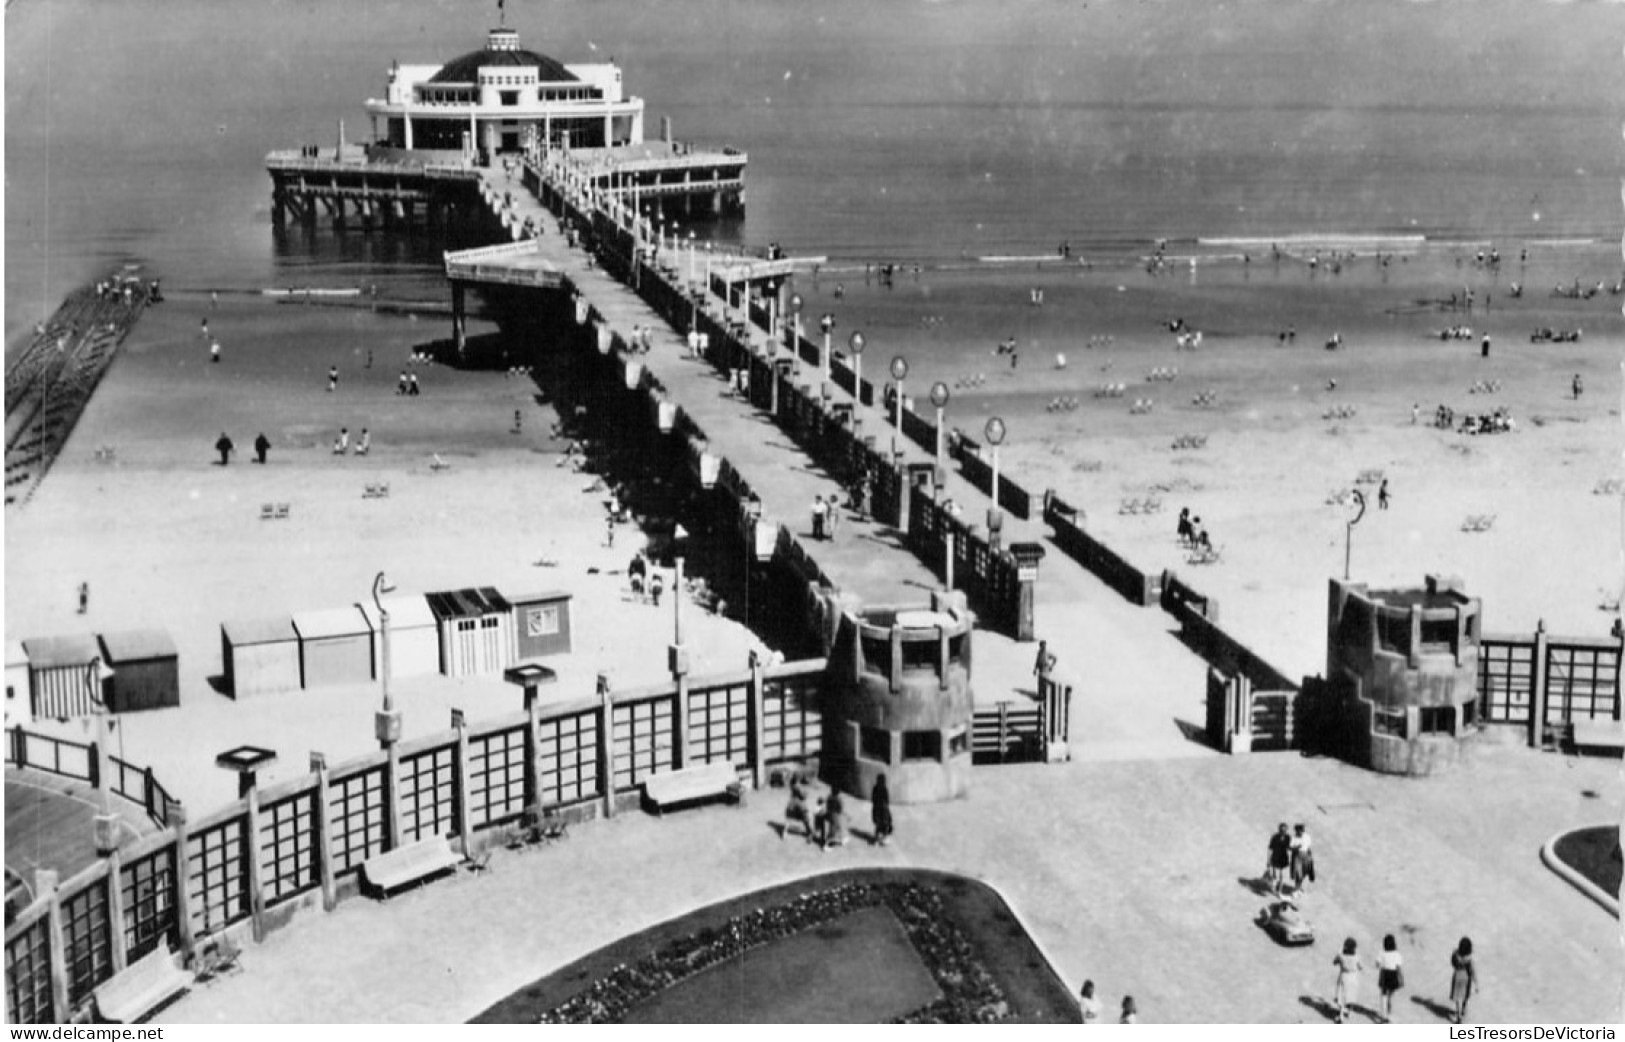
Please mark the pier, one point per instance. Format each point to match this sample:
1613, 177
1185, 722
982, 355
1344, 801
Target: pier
52, 379
794, 436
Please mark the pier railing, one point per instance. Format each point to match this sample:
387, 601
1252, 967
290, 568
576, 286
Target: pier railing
303, 841
86, 762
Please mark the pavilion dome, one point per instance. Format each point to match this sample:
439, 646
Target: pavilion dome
502, 48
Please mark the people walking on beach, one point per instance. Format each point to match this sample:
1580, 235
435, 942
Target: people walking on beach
1416, 410
1463, 979
1280, 857
332, 378
401, 384
1382, 495
364, 444
657, 586
1088, 1005
262, 445
84, 597
224, 447
1185, 530
1303, 858
1484, 347
1390, 976
880, 810
203, 329
1131, 1011
412, 384
1578, 386
1348, 978
214, 351
341, 445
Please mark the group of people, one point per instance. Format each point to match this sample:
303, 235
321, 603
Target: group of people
641, 340
363, 443
1391, 978
225, 446
643, 584
824, 818
1291, 858
826, 517
406, 385
1192, 533
1091, 1007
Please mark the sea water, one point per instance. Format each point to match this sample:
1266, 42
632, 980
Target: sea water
921, 133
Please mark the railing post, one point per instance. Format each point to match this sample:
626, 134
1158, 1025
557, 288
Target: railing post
324, 833
1537, 688
115, 912
606, 743
256, 869
459, 783
1004, 728
758, 725
183, 893
533, 768
19, 746
46, 885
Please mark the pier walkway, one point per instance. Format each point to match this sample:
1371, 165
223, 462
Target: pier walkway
1138, 692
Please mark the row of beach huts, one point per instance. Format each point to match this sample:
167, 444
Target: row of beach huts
467, 632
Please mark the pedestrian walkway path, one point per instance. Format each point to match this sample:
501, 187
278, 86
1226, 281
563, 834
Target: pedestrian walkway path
1138, 875
1138, 691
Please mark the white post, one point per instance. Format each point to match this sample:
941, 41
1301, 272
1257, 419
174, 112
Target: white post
995, 477
939, 437
824, 360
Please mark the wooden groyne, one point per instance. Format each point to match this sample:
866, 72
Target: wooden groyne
51, 380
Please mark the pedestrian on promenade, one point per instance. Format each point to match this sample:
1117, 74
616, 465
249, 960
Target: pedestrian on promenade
262, 445
1303, 858
880, 810
834, 820
332, 378
1131, 1012
1044, 664
796, 810
1348, 978
657, 586
832, 517
1280, 856
818, 515
1390, 976
1088, 1005
1463, 979
224, 447
84, 597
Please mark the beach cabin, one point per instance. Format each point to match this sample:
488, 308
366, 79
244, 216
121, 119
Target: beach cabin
541, 623
146, 670
261, 656
335, 647
19, 697
476, 631
414, 637
66, 676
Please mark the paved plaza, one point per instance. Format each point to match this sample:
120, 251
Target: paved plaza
1136, 874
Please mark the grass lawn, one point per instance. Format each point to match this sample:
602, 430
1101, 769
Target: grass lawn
1594, 853
860, 969
861, 966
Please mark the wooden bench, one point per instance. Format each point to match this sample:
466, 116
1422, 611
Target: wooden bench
142, 987
1598, 734
412, 863
692, 784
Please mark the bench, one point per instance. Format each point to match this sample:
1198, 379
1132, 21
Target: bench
143, 986
412, 863
691, 784
1598, 734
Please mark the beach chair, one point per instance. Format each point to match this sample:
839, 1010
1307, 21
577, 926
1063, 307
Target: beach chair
267, 511
437, 464
219, 959
282, 511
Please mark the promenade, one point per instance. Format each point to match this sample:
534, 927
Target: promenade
1428, 861
1134, 683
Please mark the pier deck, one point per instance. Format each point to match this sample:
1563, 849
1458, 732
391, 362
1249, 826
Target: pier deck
1136, 684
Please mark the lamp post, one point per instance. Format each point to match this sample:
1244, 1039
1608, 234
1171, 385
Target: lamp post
827, 324
1348, 532
899, 371
856, 343
795, 315
994, 432
939, 398
388, 720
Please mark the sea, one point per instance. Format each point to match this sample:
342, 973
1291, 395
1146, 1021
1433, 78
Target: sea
938, 134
